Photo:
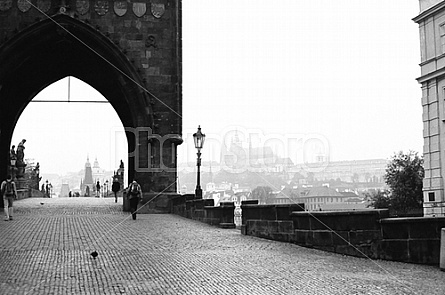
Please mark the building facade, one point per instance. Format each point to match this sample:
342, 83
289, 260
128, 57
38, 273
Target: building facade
431, 21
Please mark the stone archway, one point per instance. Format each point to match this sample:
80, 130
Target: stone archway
62, 46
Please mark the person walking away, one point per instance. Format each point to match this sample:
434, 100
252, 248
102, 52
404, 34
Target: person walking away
9, 193
134, 194
115, 188
98, 189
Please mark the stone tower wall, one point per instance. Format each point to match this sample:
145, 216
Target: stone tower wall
148, 34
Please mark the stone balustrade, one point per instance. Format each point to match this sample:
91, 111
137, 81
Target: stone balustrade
204, 210
362, 233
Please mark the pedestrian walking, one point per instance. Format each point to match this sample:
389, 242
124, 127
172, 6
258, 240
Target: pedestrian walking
97, 189
115, 188
9, 193
134, 195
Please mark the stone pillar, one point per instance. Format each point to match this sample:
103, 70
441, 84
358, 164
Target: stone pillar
433, 196
442, 250
227, 215
125, 202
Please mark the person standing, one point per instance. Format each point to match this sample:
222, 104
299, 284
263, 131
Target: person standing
9, 193
115, 188
134, 194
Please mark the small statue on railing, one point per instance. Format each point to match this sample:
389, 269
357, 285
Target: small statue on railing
35, 177
20, 163
12, 156
21, 151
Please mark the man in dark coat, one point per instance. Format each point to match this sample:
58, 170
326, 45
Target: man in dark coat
115, 188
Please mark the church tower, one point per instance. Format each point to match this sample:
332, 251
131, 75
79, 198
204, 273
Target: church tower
88, 182
97, 172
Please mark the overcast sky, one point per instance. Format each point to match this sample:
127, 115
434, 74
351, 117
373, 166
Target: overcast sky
342, 72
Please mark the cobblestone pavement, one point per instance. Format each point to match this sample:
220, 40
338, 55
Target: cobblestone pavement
46, 250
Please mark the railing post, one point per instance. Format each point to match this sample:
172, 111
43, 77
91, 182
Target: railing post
442, 249
227, 215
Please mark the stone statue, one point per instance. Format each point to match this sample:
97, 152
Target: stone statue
21, 152
37, 168
12, 154
35, 177
20, 163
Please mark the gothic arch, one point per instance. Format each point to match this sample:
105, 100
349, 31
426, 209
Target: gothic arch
45, 53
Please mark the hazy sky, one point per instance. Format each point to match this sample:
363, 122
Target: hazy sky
342, 72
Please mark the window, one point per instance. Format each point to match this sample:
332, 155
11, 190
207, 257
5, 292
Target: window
431, 197
442, 37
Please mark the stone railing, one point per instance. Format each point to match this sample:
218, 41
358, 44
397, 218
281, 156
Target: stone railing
355, 233
268, 221
362, 233
204, 210
412, 239
150, 202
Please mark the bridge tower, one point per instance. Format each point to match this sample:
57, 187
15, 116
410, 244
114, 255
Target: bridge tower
130, 51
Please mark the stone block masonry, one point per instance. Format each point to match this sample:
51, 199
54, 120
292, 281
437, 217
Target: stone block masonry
361, 233
131, 52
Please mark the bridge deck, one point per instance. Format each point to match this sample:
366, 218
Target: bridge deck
46, 250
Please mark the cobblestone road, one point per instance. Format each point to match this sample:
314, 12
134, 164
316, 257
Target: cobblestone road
46, 250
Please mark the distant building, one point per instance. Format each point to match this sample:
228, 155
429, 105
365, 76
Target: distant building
318, 199
371, 171
64, 190
119, 174
87, 185
98, 173
261, 159
91, 176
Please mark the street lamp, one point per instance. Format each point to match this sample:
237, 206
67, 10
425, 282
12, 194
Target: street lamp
106, 185
47, 189
198, 138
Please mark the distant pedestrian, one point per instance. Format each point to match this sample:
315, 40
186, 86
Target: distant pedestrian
97, 189
115, 188
9, 193
47, 189
134, 195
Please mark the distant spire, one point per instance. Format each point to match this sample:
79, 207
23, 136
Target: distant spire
87, 164
88, 177
96, 163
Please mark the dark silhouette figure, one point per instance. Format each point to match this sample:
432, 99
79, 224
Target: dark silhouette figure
134, 195
9, 194
115, 188
94, 254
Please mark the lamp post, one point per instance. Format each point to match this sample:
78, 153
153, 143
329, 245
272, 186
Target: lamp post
198, 138
106, 185
47, 189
